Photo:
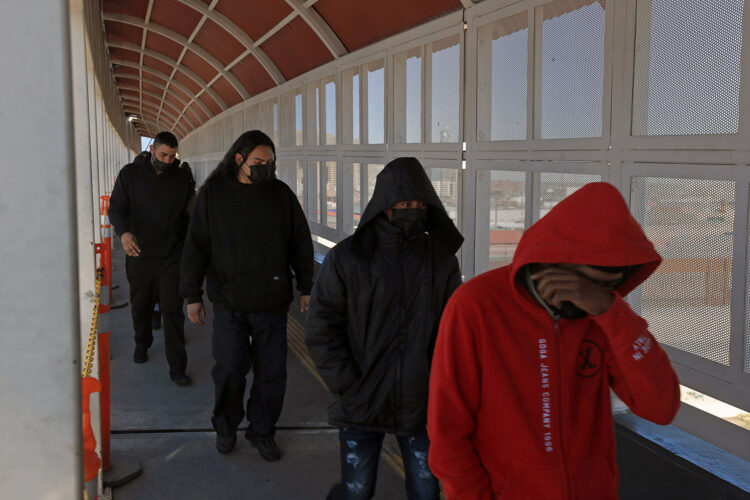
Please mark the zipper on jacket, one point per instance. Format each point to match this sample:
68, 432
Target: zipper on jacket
561, 427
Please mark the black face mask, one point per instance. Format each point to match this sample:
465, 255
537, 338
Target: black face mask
261, 174
411, 221
568, 311
160, 165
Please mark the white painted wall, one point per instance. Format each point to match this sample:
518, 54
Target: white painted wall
40, 412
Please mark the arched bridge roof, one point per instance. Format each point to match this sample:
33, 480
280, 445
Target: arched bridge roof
177, 63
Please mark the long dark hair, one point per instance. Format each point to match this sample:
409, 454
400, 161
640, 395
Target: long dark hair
244, 145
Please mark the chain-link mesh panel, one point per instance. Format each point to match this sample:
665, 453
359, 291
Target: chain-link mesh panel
507, 215
687, 300
373, 170
376, 102
298, 138
330, 218
300, 186
329, 87
445, 95
356, 195
572, 69
556, 186
687, 67
445, 182
509, 77
316, 193
746, 365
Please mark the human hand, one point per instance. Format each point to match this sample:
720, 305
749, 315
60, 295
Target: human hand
196, 313
130, 244
587, 288
304, 303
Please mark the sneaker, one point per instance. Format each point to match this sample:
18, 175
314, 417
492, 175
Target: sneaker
181, 379
156, 320
141, 354
226, 438
267, 448
225, 442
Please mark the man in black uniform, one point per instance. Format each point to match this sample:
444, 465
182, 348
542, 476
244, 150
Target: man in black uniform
247, 230
148, 210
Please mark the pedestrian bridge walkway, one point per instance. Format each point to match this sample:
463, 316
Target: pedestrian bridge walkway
510, 106
168, 428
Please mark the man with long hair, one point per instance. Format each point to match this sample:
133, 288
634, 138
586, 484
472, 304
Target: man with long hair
149, 211
246, 231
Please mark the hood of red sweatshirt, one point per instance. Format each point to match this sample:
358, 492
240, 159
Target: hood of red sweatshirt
592, 226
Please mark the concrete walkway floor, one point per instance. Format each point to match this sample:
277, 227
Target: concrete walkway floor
168, 428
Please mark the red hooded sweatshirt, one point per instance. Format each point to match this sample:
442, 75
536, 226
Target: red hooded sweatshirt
519, 403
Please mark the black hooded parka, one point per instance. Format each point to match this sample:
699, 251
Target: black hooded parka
376, 305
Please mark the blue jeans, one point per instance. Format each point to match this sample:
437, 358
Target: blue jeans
360, 453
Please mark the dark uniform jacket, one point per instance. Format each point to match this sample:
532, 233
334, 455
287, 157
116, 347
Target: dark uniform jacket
376, 305
152, 206
243, 238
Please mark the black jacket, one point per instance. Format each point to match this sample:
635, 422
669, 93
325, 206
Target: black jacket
152, 206
376, 305
244, 238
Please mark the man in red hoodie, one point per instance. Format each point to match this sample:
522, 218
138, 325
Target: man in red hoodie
519, 402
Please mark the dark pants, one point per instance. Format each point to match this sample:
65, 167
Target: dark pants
240, 341
360, 453
153, 281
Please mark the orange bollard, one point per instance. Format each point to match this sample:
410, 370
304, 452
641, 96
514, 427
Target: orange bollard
103, 340
91, 460
106, 233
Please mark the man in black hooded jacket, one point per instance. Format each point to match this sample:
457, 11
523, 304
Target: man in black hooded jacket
373, 322
149, 211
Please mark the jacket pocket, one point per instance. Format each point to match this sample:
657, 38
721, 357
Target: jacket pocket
594, 477
531, 482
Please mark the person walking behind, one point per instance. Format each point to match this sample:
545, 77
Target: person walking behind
372, 326
149, 211
247, 229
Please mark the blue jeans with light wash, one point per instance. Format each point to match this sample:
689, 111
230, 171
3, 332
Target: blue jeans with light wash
360, 453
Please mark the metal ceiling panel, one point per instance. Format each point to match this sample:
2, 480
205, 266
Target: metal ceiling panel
157, 65
127, 80
192, 116
120, 32
210, 103
152, 75
252, 75
199, 112
179, 93
124, 70
132, 93
135, 8
218, 42
362, 22
255, 17
127, 55
296, 49
226, 92
159, 43
152, 88
199, 66
187, 82
174, 16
